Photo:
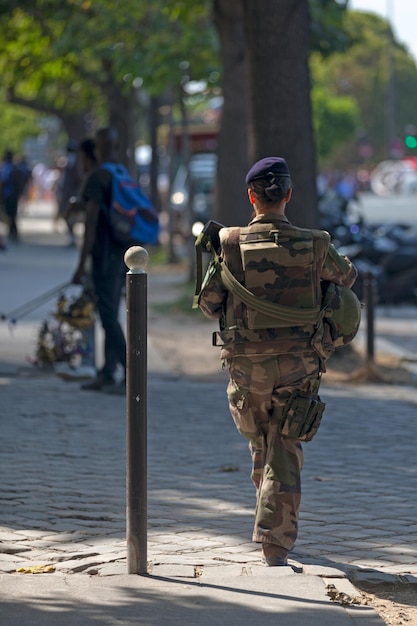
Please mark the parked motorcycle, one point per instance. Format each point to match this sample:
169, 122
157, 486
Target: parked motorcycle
388, 251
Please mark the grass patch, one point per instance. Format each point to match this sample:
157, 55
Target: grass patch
157, 255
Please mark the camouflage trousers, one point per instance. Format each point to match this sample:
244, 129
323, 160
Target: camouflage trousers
258, 386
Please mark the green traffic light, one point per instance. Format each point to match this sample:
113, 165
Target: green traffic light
411, 142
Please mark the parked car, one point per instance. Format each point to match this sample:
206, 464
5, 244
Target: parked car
197, 180
395, 177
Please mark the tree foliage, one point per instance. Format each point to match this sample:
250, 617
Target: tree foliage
336, 120
16, 125
81, 56
96, 59
362, 75
328, 32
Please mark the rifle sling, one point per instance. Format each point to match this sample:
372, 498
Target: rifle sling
198, 273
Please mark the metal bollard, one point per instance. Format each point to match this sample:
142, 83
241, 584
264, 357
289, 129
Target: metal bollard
369, 286
136, 259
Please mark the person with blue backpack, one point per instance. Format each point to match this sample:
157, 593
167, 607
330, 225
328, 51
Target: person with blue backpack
106, 244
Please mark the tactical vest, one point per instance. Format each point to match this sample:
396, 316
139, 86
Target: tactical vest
280, 267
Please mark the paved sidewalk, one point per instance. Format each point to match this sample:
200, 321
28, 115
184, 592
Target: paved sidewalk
62, 494
63, 504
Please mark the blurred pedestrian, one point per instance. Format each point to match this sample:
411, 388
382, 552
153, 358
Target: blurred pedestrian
88, 157
108, 270
12, 186
347, 189
68, 185
87, 162
24, 178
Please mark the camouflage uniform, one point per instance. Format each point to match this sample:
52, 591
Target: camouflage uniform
267, 364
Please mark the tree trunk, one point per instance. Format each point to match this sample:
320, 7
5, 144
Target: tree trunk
278, 44
122, 117
75, 125
154, 166
231, 205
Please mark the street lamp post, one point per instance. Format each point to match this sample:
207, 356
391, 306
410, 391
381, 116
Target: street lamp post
391, 91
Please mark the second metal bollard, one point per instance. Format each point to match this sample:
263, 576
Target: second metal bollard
369, 286
136, 258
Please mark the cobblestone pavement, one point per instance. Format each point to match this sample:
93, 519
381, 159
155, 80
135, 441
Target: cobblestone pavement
63, 479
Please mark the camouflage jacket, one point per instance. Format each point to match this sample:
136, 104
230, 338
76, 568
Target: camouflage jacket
309, 256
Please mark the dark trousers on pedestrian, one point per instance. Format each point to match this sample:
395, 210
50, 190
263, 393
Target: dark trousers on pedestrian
109, 278
10, 206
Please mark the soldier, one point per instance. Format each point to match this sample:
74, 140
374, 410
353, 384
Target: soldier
274, 366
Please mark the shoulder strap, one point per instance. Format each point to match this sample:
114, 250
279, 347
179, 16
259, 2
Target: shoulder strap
198, 273
115, 168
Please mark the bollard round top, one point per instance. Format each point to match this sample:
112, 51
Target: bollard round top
136, 258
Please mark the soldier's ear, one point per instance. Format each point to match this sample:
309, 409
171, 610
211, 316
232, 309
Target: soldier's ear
252, 199
289, 194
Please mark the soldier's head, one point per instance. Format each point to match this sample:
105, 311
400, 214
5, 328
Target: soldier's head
107, 144
269, 182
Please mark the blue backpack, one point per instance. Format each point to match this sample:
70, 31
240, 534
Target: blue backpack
132, 218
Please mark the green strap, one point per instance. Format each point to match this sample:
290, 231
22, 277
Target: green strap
287, 314
198, 273
199, 265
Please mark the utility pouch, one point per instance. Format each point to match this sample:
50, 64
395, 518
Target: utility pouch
301, 416
322, 341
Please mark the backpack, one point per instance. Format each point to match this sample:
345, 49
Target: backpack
131, 216
10, 181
